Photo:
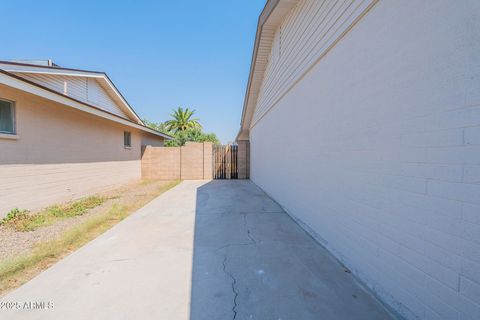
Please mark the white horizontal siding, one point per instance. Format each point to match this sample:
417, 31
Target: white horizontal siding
81, 88
96, 95
76, 86
305, 35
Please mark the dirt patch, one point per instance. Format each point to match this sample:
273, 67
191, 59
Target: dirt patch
137, 194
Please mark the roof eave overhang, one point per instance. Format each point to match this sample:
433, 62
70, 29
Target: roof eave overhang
102, 76
13, 81
271, 17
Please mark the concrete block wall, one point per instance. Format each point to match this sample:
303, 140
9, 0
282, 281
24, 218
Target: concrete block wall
243, 159
161, 163
207, 160
35, 186
61, 154
384, 168
190, 162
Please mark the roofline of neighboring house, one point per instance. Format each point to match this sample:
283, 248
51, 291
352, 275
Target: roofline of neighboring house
77, 104
47, 67
99, 73
122, 97
267, 12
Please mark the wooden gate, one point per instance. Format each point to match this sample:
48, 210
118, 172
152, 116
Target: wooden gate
225, 161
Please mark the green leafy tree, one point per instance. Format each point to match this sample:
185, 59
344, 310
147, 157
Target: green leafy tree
182, 133
194, 135
159, 126
182, 120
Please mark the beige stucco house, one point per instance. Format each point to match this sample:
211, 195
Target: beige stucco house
64, 133
363, 119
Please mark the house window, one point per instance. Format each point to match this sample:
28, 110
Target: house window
7, 117
127, 139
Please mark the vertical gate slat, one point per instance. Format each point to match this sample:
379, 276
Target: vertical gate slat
230, 162
235, 161
225, 161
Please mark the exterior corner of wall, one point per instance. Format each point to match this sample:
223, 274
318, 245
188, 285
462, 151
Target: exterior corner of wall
243, 159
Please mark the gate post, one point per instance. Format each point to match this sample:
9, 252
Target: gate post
207, 161
243, 159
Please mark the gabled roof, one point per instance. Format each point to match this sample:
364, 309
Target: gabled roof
13, 80
271, 17
101, 77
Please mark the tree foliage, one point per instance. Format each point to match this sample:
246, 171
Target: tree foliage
159, 126
182, 120
195, 135
183, 128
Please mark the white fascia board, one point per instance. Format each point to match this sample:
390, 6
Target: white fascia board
72, 73
272, 16
122, 99
59, 98
49, 70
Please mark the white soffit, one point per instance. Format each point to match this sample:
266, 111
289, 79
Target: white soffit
269, 22
101, 77
271, 17
13, 81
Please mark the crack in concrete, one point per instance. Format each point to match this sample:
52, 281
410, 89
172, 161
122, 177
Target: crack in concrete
234, 282
248, 230
230, 275
120, 260
225, 258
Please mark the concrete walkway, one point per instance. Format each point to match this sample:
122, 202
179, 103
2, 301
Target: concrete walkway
203, 250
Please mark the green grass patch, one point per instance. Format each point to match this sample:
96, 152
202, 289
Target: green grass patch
13, 215
22, 220
17, 270
69, 241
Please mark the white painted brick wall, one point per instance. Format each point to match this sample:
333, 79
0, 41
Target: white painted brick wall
472, 135
471, 174
377, 150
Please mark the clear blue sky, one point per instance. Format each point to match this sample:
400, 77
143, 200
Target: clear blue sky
160, 54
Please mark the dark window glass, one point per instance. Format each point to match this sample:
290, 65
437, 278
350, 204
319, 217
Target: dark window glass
6, 117
127, 139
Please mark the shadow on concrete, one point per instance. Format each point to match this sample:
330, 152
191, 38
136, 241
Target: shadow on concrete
252, 261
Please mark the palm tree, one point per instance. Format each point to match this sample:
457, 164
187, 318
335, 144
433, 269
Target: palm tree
182, 120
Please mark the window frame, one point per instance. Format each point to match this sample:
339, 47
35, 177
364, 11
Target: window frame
127, 143
14, 118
